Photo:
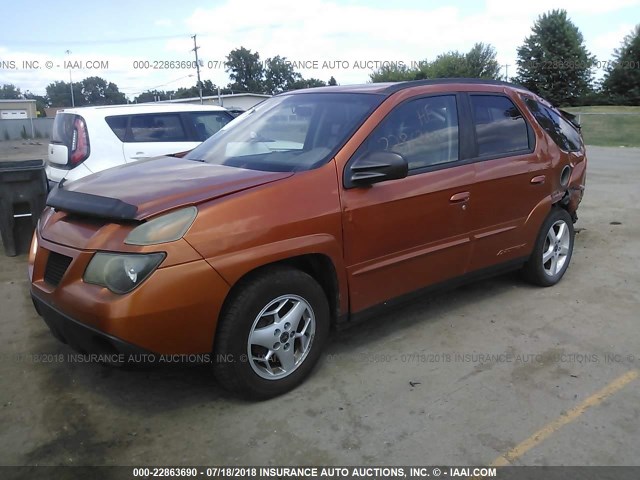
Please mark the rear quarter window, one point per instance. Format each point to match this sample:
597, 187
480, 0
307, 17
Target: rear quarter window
565, 135
118, 125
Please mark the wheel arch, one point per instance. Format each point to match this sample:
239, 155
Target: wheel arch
318, 266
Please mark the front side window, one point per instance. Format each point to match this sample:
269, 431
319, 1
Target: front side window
423, 131
288, 133
500, 127
560, 130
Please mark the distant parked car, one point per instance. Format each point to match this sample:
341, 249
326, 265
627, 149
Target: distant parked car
91, 139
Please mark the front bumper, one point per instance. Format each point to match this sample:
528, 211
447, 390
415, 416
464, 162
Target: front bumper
87, 340
174, 311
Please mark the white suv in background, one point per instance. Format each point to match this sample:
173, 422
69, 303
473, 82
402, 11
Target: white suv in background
87, 140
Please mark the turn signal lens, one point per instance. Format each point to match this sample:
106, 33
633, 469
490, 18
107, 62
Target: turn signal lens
165, 228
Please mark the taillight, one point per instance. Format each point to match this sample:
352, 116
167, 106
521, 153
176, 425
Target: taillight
79, 142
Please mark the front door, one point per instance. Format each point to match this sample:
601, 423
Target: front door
401, 235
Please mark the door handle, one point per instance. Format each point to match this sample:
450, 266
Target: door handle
460, 197
539, 180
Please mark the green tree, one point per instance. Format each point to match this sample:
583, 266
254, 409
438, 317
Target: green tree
97, 91
245, 71
41, 102
621, 82
393, 72
190, 92
10, 92
554, 62
59, 94
307, 83
332, 81
446, 65
279, 75
481, 62
152, 96
208, 89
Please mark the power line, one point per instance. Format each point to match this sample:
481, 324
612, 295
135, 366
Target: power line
122, 89
14, 42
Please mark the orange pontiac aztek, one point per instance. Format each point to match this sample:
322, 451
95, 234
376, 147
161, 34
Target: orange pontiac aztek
309, 210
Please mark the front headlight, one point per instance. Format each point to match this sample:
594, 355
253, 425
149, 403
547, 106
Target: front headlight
121, 272
165, 228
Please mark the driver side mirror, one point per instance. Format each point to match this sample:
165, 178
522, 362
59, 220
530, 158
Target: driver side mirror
375, 167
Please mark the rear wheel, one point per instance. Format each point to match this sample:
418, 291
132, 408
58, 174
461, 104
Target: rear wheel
271, 333
552, 252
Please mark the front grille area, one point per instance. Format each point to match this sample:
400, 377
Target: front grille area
57, 265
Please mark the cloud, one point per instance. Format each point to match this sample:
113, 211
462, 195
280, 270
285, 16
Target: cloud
326, 30
163, 22
572, 6
331, 34
604, 44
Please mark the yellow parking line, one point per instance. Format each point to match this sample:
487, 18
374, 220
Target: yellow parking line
552, 427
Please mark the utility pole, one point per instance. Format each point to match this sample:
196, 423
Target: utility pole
506, 71
195, 49
73, 103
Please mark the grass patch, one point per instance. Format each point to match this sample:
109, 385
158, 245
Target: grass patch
614, 129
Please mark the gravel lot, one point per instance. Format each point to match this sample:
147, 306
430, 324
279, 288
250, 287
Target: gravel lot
461, 378
23, 149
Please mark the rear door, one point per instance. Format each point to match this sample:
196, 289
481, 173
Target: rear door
154, 134
510, 179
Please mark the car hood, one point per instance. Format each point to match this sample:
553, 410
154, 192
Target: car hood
153, 186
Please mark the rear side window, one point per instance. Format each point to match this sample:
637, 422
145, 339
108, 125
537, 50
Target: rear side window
560, 130
164, 127
424, 131
206, 124
500, 127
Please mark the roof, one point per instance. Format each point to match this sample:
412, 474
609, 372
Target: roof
388, 88
145, 108
14, 100
215, 97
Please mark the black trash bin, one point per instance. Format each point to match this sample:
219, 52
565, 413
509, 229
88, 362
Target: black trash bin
23, 193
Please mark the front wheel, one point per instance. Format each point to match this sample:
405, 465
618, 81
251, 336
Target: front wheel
271, 333
552, 251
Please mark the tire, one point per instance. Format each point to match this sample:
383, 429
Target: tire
261, 353
552, 251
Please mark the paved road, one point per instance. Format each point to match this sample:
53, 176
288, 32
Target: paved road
468, 377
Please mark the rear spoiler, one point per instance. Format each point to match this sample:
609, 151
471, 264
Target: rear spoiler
90, 205
571, 118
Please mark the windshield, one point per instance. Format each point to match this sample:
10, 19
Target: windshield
288, 133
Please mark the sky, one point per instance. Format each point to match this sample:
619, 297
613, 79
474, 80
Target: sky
122, 41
